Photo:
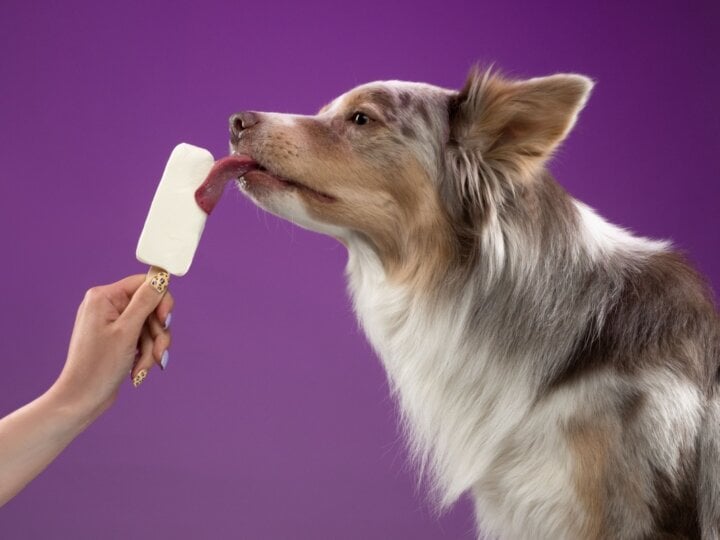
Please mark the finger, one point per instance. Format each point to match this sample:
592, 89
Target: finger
161, 341
161, 350
154, 326
146, 298
145, 361
164, 309
120, 292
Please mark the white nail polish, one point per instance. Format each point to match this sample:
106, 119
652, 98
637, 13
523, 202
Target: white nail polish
168, 319
164, 359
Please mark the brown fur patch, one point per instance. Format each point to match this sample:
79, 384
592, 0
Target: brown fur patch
515, 124
400, 216
320, 133
590, 445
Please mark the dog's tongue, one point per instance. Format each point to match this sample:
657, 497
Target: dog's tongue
208, 194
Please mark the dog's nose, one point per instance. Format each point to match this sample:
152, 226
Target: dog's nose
242, 120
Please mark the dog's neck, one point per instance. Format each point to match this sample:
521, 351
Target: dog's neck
423, 347
466, 362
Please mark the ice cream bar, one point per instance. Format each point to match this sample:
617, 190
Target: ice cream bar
175, 222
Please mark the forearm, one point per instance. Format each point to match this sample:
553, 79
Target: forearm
32, 436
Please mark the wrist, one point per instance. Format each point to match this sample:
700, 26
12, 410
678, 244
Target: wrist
73, 413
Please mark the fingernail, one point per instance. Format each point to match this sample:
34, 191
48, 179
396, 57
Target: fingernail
160, 281
139, 378
168, 319
164, 359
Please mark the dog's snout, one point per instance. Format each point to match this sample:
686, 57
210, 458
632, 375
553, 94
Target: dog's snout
242, 120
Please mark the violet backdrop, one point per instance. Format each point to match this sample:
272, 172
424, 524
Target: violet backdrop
273, 419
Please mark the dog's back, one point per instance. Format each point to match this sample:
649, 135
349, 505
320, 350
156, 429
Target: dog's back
658, 331
624, 339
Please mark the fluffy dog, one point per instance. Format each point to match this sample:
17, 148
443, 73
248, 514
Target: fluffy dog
561, 370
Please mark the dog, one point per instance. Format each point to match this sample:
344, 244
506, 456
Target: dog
557, 368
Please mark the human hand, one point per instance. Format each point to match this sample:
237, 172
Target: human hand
117, 331
120, 328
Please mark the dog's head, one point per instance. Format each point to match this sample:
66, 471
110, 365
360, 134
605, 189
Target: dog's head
409, 169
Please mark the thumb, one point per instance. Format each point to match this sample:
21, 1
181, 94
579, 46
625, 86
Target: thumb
146, 298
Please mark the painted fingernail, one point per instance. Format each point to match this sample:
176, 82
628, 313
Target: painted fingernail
160, 282
164, 360
168, 319
139, 378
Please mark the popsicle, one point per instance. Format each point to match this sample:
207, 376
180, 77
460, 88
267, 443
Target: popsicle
189, 189
175, 222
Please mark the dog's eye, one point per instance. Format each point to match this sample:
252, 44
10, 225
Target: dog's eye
359, 118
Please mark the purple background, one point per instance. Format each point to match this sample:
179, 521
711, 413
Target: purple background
273, 419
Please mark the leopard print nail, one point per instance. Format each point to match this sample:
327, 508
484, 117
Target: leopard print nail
160, 282
140, 377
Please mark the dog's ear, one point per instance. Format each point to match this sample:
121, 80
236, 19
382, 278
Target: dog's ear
513, 127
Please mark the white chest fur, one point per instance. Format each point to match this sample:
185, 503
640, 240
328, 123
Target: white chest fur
464, 411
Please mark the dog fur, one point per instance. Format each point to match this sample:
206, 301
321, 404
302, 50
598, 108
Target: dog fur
559, 369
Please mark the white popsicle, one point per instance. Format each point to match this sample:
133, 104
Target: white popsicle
175, 222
